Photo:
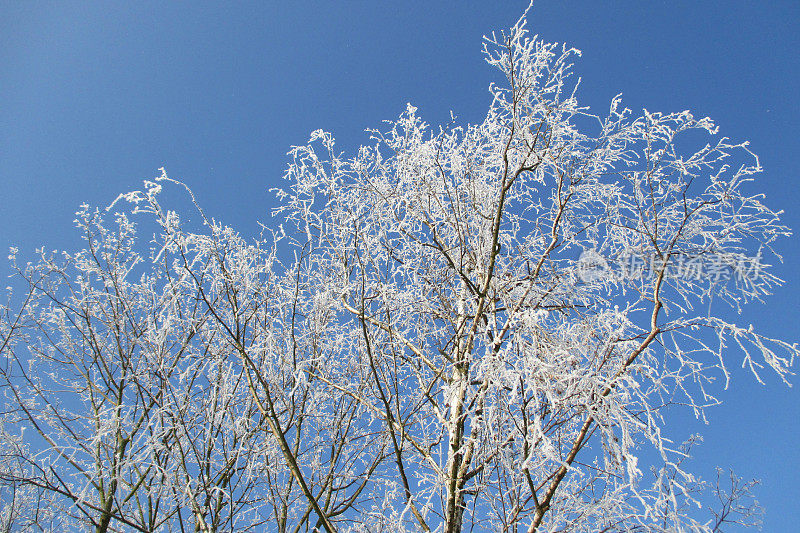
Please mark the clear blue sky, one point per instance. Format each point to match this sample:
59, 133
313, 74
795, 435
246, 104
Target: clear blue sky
95, 97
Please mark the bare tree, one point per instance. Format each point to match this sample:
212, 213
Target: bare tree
469, 328
737, 505
170, 389
23, 506
122, 389
517, 377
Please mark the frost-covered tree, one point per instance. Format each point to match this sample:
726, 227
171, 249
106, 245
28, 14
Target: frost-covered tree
463, 328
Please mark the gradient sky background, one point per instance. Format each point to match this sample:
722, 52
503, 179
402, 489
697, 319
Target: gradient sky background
95, 97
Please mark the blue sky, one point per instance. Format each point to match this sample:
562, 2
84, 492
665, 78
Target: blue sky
95, 97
